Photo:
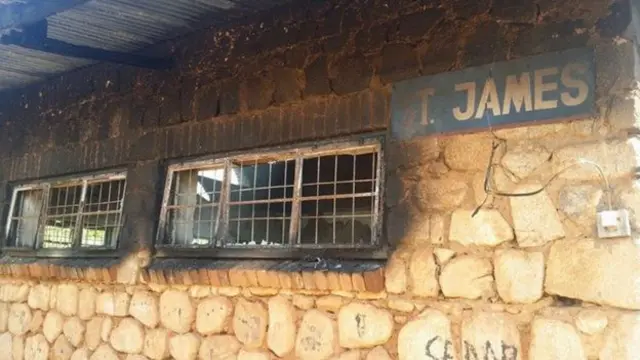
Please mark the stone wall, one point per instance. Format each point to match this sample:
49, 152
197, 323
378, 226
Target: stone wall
523, 278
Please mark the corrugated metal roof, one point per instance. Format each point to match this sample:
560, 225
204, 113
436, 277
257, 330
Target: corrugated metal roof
117, 25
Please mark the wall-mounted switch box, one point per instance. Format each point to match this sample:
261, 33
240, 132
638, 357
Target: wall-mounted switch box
613, 224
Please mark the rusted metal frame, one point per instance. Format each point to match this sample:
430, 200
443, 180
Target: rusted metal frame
376, 227
77, 233
295, 205
222, 222
46, 186
335, 147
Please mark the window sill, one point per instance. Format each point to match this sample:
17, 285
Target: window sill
314, 275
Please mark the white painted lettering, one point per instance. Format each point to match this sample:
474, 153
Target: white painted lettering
517, 92
541, 87
574, 83
489, 99
470, 88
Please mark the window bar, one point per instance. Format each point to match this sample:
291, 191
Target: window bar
284, 194
186, 238
77, 234
113, 242
222, 223
199, 206
253, 205
176, 195
164, 221
42, 218
269, 197
335, 192
377, 187
10, 217
317, 219
353, 204
107, 212
295, 206
215, 210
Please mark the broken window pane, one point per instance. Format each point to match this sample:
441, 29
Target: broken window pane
23, 223
338, 197
193, 208
260, 202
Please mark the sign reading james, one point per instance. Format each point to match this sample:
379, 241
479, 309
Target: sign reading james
542, 88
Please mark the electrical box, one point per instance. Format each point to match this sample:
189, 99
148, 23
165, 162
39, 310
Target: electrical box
613, 224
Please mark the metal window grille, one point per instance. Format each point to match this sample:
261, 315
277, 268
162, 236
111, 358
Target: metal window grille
325, 197
83, 213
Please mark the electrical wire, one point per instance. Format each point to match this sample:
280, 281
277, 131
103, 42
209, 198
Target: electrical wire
580, 162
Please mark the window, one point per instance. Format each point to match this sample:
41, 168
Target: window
82, 213
306, 198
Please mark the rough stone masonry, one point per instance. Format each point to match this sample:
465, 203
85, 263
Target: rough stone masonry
526, 278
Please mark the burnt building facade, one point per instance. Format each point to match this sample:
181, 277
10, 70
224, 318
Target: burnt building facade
296, 186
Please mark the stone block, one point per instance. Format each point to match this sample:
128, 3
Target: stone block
591, 321
443, 255
630, 200
423, 279
184, 347
579, 203
330, 303
39, 297
104, 352
378, 353
555, 339
317, 337
156, 344
128, 336
515, 11
87, 303
524, 158
74, 330
256, 92
620, 341
468, 152
144, 308
250, 323
67, 299
519, 275
19, 320
604, 272
362, 325
442, 193
281, 333
624, 112
400, 305
487, 228
219, 347
176, 311
253, 355
36, 347
395, 274
467, 276
6, 344
17, 348
427, 337
105, 329
81, 354
487, 334
37, 319
4, 316
617, 158
93, 333
61, 349
303, 302
113, 304
535, 218
213, 314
